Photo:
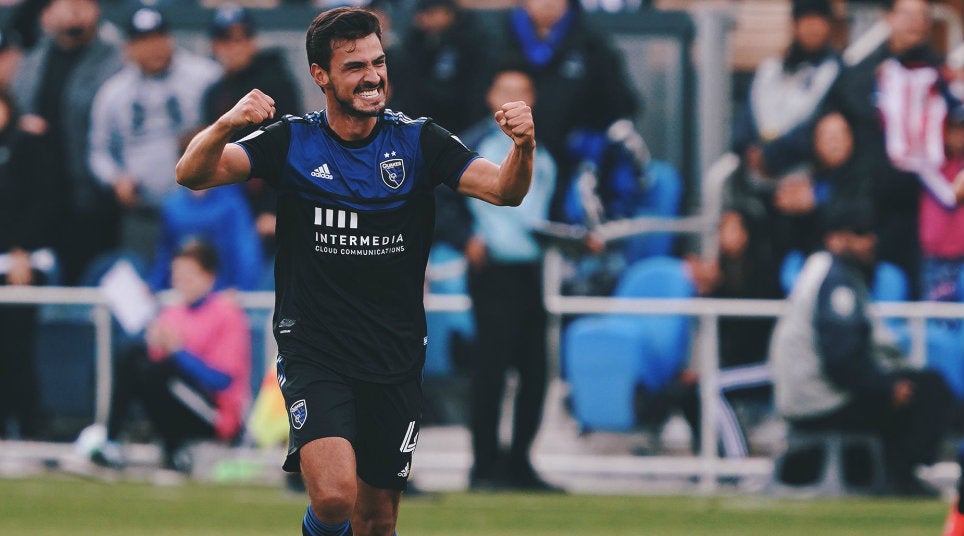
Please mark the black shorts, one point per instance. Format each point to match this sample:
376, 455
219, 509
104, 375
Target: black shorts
381, 421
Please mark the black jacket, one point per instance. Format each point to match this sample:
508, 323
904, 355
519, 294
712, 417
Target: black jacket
269, 73
442, 76
584, 85
28, 198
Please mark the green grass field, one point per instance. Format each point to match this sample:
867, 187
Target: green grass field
58, 505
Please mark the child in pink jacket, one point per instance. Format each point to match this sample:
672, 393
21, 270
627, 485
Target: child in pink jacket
193, 377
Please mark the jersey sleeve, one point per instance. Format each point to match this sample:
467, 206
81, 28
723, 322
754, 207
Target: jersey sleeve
267, 150
445, 155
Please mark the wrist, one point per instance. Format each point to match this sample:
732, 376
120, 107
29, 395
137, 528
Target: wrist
526, 145
224, 127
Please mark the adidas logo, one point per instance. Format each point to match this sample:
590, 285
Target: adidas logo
404, 472
322, 172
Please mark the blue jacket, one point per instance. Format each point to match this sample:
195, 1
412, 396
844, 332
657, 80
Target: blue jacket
221, 217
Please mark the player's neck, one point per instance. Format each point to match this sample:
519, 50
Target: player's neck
349, 127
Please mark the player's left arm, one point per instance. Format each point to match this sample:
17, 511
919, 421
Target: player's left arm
505, 184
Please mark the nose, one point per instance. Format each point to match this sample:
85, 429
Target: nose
372, 75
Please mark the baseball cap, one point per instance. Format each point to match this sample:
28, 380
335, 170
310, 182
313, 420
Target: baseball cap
144, 21
227, 16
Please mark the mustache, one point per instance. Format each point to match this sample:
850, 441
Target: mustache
365, 87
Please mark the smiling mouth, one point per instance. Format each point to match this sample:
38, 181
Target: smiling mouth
369, 93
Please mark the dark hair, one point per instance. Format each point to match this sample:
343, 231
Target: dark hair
820, 8
510, 64
854, 215
201, 252
338, 24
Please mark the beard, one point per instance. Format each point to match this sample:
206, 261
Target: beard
347, 102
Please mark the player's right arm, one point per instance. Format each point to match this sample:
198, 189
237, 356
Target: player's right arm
209, 159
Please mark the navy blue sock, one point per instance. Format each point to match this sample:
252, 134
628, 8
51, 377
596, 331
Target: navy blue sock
312, 526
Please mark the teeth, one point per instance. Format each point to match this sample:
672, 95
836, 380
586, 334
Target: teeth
368, 93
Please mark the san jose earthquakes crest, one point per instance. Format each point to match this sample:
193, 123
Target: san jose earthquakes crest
393, 172
299, 414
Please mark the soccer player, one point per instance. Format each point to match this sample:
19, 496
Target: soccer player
355, 220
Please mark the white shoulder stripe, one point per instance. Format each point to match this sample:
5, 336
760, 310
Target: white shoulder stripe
253, 135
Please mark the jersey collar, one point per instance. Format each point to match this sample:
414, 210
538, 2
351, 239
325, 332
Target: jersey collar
352, 144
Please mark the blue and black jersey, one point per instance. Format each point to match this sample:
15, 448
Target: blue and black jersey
355, 224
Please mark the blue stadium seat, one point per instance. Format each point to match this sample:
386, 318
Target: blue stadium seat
945, 350
66, 364
790, 269
607, 356
891, 285
443, 326
945, 354
662, 197
602, 366
260, 332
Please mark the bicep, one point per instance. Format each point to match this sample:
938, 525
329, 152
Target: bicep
481, 181
234, 166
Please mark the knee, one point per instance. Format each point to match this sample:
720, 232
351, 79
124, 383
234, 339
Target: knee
373, 523
331, 503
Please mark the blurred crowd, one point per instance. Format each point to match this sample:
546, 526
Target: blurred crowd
94, 116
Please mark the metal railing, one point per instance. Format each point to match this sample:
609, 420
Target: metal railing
707, 311
705, 355
101, 320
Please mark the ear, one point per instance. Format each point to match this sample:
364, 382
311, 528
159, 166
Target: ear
320, 75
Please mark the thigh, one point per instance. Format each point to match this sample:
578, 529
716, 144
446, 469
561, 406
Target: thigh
389, 417
320, 404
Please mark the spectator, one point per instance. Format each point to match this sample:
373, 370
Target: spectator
743, 269
573, 65
940, 228
506, 289
139, 119
793, 202
888, 97
771, 131
219, 217
26, 258
801, 196
234, 43
828, 373
10, 57
55, 86
440, 68
833, 160
193, 376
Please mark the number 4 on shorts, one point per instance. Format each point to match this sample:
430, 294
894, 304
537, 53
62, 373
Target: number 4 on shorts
408, 444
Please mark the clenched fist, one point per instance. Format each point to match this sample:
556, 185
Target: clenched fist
252, 109
515, 119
